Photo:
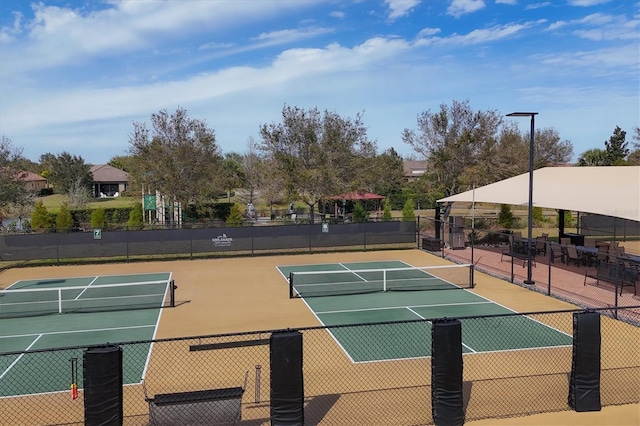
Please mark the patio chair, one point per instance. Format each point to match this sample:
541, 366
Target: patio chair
557, 252
507, 251
572, 255
540, 246
565, 241
601, 256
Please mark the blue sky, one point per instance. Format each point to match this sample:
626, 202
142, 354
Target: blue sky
75, 75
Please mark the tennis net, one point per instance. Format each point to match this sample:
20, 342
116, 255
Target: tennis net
89, 298
343, 282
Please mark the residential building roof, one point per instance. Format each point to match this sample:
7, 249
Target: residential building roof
107, 173
29, 177
414, 169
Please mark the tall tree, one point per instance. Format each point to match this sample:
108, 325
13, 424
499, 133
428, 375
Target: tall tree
315, 154
12, 188
232, 174
450, 140
593, 157
66, 170
383, 174
252, 167
616, 147
178, 156
549, 149
634, 156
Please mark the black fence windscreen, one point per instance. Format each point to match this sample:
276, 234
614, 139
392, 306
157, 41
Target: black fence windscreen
208, 242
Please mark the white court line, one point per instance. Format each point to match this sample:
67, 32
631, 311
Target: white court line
421, 317
148, 360
402, 307
90, 330
20, 357
415, 313
354, 273
92, 281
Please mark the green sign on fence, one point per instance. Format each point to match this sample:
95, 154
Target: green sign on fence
149, 202
97, 234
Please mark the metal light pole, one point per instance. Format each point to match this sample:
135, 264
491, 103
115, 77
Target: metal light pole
529, 281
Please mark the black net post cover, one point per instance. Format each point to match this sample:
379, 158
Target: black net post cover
103, 393
446, 372
287, 386
584, 386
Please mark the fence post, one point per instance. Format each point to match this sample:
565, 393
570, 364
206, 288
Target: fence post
549, 258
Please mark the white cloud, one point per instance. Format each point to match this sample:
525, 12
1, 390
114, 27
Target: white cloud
599, 61
599, 26
556, 25
337, 14
537, 5
286, 36
399, 8
509, 2
458, 8
479, 36
426, 32
587, 3
59, 36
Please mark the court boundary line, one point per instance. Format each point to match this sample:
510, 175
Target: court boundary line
466, 354
458, 287
15, 361
94, 276
501, 305
88, 285
155, 332
402, 307
155, 326
74, 331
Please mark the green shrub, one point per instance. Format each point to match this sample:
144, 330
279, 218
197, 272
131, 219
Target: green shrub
40, 218
386, 213
235, 216
569, 221
408, 212
505, 217
359, 213
98, 218
64, 221
135, 217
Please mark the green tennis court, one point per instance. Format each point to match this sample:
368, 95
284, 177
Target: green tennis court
78, 311
376, 292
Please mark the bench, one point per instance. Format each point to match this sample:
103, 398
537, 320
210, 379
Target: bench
202, 407
510, 253
616, 273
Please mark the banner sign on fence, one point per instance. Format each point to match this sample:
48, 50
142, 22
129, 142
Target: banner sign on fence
149, 202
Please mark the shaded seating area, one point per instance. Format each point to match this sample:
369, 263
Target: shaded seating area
618, 272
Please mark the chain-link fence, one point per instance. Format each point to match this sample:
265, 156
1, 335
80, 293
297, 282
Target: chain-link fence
85, 247
349, 371
593, 274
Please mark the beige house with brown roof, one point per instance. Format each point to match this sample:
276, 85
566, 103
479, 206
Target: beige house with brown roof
108, 181
32, 181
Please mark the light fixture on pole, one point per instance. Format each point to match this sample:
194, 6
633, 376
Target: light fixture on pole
529, 281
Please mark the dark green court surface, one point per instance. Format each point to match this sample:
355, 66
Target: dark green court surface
419, 294
79, 311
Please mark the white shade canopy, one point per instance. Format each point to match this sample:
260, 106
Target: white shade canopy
609, 191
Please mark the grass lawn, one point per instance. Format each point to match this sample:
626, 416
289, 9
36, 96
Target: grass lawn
53, 202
